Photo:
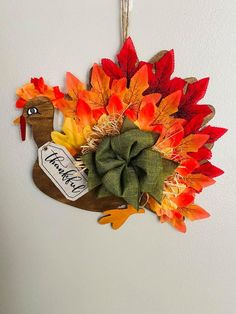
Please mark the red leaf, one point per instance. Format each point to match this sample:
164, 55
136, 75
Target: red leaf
188, 112
195, 92
84, 113
111, 69
97, 113
164, 68
209, 170
214, 132
128, 59
185, 198
187, 166
194, 124
202, 154
176, 84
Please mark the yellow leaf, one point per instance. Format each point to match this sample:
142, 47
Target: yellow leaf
72, 138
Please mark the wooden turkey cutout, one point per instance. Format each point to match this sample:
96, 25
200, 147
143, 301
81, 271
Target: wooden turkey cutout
39, 114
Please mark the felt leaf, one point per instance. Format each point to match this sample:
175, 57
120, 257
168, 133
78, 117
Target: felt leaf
20, 103
138, 85
117, 217
39, 84
209, 170
194, 212
198, 181
128, 59
73, 86
72, 139
214, 133
98, 96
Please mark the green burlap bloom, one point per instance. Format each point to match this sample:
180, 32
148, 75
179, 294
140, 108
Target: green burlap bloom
126, 165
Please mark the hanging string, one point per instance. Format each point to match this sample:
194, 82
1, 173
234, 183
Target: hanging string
125, 7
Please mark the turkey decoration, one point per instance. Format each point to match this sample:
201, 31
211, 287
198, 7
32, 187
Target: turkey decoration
139, 136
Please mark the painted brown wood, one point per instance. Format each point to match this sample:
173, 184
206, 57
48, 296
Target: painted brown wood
42, 126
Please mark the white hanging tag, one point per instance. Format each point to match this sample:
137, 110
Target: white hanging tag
58, 164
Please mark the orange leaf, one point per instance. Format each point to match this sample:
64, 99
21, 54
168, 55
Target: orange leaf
98, 96
178, 224
194, 212
115, 105
191, 143
147, 111
168, 106
184, 199
119, 87
73, 86
138, 84
170, 137
187, 166
84, 114
198, 181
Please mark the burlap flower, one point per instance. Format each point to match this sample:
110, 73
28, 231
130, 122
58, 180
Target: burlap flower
126, 165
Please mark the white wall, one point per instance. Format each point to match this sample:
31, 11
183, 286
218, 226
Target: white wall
55, 259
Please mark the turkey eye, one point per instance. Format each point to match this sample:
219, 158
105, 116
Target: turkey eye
32, 110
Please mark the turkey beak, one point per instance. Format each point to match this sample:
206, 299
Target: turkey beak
21, 120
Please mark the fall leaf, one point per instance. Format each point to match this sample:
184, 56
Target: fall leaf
147, 112
214, 133
203, 154
73, 86
194, 212
209, 170
99, 95
72, 139
178, 224
167, 107
195, 92
185, 198
191, 143
187, 166
198, 181
134, 94
128, 62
